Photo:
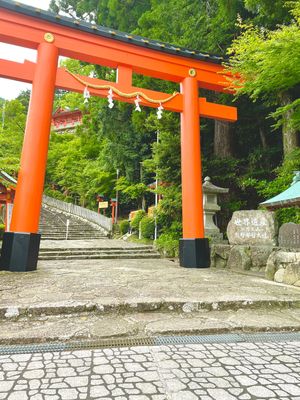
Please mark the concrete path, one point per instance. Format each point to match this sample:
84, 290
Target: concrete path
208, 371
67, 300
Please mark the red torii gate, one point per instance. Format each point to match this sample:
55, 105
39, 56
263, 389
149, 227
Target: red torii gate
53, 35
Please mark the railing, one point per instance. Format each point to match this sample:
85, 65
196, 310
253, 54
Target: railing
84, 213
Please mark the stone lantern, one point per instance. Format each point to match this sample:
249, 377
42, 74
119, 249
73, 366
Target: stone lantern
210, 207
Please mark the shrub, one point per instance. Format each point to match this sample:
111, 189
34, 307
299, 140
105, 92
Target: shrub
136, 220
124, 227
147, 227
168, 245
2, 229
288, 214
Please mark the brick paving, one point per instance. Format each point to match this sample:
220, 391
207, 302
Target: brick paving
223, 371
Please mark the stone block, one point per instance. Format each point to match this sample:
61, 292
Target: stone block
284, 267
252, 227
239, 258
259, 257
219, 255
289, 236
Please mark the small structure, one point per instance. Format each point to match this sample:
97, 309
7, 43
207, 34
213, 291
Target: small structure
7, 195
102, 205
66, 120
210, 207
289, 198
114, 204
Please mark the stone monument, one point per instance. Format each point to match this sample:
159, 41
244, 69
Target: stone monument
253, 228
289, 236
210, 207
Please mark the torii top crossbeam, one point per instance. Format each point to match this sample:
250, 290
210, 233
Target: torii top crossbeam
26, 26
53, 35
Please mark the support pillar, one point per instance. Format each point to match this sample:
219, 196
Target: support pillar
193, 247
21, 246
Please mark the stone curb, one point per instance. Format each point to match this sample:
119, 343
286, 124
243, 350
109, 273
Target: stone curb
119, 308
111, 328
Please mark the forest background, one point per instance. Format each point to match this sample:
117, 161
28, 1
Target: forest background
255, 157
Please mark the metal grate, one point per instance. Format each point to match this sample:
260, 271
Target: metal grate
150, 341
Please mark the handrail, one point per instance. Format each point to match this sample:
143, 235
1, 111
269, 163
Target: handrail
84, 213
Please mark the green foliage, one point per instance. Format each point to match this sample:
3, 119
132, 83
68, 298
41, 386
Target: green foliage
124, 227
267, 61
147, 227
133, 191
288, 214
2, 229
269, 13
168, 245
11, 135
135, 223
283, 177
265, 65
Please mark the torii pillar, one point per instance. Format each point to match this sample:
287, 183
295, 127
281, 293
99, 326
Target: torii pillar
21, 246
193, 247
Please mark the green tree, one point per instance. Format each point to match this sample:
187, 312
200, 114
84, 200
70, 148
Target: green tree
265, 64
11, 134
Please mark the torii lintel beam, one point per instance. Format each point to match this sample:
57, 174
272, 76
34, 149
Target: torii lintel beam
25, 72
28, 30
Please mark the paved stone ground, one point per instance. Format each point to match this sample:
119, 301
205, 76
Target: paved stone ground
92, 299
243, 371
114, 282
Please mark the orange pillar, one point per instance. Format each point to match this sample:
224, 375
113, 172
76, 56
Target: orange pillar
31, 176
194, 249
113, 214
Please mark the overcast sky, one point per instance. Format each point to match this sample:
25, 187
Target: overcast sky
10, 89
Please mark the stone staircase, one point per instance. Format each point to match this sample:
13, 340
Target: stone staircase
84, 241
98, 253
53, 226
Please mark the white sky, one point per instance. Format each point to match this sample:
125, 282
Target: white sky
10, 89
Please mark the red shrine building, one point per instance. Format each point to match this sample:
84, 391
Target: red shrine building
65, 120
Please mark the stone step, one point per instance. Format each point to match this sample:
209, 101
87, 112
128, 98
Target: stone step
53, 227
132, 248
64, 327
72, 237
97, 251
61, 233
99, 256
91, 251
79, 229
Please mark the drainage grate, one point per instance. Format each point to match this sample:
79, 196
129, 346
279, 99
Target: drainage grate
150, 341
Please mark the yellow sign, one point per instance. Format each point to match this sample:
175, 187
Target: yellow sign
103, 204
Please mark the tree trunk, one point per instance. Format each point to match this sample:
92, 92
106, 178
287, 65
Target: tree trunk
289, 134
222, 139
263, 137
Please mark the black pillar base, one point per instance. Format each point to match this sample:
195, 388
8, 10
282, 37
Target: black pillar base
20, 251
194, 253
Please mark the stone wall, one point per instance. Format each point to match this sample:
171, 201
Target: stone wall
280, 265
256, 246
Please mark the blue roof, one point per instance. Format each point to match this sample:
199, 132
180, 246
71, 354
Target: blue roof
290, 197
